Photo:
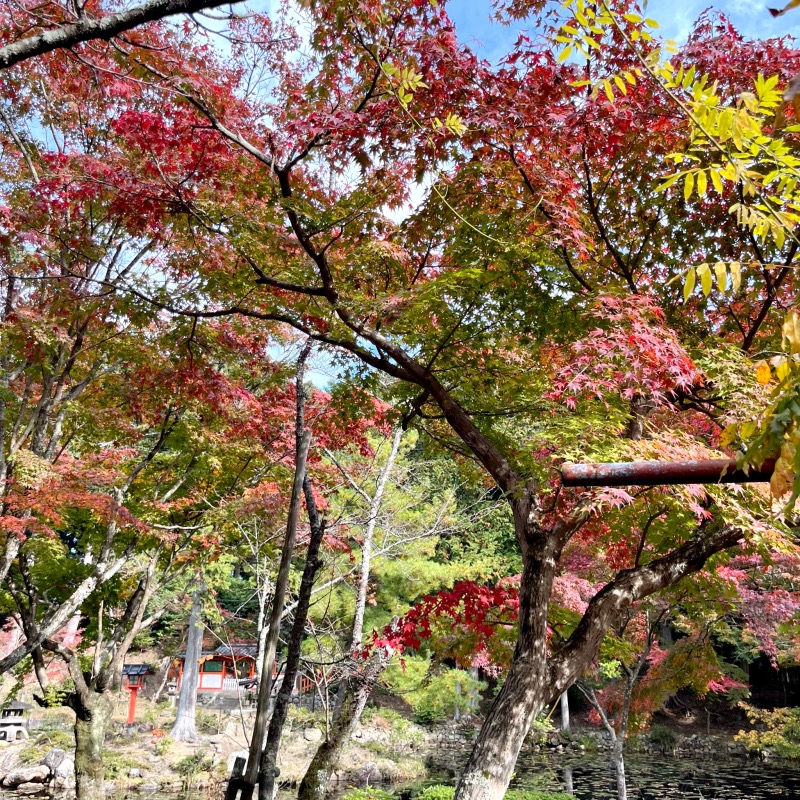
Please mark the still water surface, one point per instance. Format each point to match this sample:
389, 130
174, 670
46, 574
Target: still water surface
591, 777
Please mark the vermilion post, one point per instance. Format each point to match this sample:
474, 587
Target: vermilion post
134, 690
663, 473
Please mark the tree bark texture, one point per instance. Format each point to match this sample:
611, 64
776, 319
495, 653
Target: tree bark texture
105, 27
92, 716
185, 727
564, 712
354, 692
526, 689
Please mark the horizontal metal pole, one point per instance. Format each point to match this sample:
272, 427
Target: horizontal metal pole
663, 473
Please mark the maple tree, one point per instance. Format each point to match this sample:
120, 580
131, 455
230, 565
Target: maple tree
522, 312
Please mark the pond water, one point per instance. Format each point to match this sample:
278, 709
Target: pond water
591, 777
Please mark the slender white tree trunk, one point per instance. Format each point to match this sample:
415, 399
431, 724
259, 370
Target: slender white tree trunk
369, 533
564, 712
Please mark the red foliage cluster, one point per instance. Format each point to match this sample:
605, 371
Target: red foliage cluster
635, 354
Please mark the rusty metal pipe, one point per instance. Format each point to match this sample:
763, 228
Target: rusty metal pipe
663, 473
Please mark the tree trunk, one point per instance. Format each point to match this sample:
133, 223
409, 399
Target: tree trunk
568, 784
369, 535
302, 443
564, 712
354, 693
185, 727
618, 759
92, 716
354, 688
527, 687
267, 773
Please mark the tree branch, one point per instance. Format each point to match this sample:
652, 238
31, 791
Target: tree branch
105, 27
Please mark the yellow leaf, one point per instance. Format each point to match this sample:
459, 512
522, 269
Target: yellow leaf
763, 373
728, 436
736, 275
791, 331
747, 429
716, 180
704, 273
782, 478
790, 5
722, 275
609, 91
688, 186
688, 287
782, 370
702, 182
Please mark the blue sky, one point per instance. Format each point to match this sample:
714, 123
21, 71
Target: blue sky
675, 17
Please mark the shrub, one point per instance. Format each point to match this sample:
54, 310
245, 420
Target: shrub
38, 747
162, 744
118, 765
540, 727
191, 766
663, 738
206, 721
370, 793
434, 697
437, 792
780, 731
440, 792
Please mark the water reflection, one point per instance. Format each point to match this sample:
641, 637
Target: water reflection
591, 777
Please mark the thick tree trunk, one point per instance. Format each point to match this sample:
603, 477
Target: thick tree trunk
185, 727
527, 687
92, 716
